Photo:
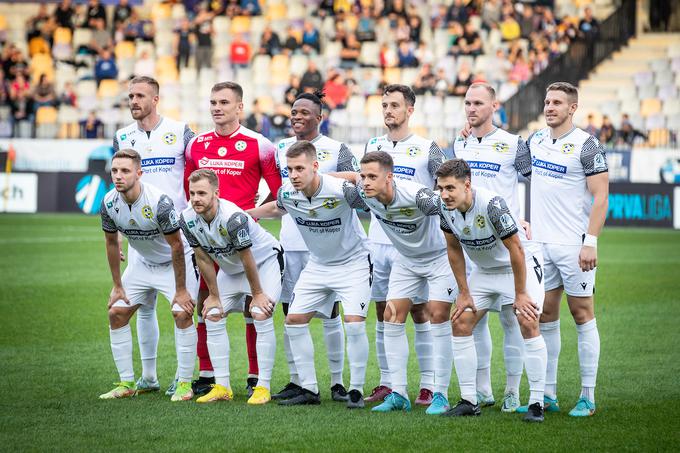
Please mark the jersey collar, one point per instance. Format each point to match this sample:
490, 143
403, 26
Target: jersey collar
573, 128
158, 124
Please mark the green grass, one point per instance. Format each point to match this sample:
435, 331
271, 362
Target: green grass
55, 360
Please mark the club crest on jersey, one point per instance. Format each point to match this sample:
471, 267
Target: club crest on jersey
567, 148
408, 212
501, 147
466, 230
240, 145
147, 212
330, 203
170, 138
414, 151
222, 230
322, 155
222, 151
480, 221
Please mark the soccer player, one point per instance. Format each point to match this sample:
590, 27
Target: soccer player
250, 263
306, 115
146, 216
496, 158
406, 212
569, 196
480, 221
415, 159
339, 265
240, 158
160, 141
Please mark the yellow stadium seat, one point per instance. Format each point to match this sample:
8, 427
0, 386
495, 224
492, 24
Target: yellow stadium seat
658, 137
240, 24
279, 63
108, 89
277, 11
46, 115
650, 107
125, 49
393, 75
3, 23
62, 35
37, 45
41, 63
266, 104
166, 69
160, 11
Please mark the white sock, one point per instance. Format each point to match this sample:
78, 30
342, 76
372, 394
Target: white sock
185, 345
535, 360
380, 353
588, 357
204, 373
121, 347
465, 359
266, 351
396, 353
513, 349
483, 346
550, 331
334, 337
294, 378
303, 352
218, 348
357, 354
425, 352
443, 356
147, 337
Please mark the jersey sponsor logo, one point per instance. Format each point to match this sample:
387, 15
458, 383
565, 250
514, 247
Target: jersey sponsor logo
123, 137
480, 221
567, 148
221, 163
414, 151
158, 161
139, 234
282, 145
284, 172
221, 151
203, 138
242, 237
318, 223
191, 224
170, 138
501, 147
373, 141
481, 165
289, 194
109, 204
240, 145
147, 212
398, 170
408, 212
478, 242
538, 163
322, 155
408, 227
330, 203
599, 163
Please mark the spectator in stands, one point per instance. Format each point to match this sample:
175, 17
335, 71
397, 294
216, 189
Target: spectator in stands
438, 17
442, 87
500, 117
291, 45
4, 89
250, 8
292, 91
591, 128
425, 80
368, 84
203, 30
588, 27
548, 24
101, 38
463, 80
121, 13
491, 14
628, 135
240, 52
527, 23
393, 10
351, 49
424, 53
510, 28
68, 96
457, 12
137, 28
366, 26
43, 93
351, 83
402, 32
407, 58
312, 80
145, 65
17, 65
388, 57
310, 38
336, 91
91, 127
415, 24
184, 39
270, 44
280, 123
19, 87
499, 69
64, 14
520, 72
94, 11
21, 107
471, 42
35, 23
258, 120
455, 36
105, 67
606, 134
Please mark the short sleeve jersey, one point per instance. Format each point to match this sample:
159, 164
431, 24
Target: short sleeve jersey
560, 199
332, 156
482, 229
162, 153
410, 221
415, 159
231, 231
143, 222
327, 221
240, 160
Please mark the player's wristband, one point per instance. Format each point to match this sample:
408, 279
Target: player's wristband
590, 241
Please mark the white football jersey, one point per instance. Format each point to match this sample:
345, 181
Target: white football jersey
482, 229
332, 156
560, 199
411, 221
495, 160
415, 159
162, 152
231, 231
143, 222
327, 221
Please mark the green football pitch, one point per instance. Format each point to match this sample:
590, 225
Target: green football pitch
55, 360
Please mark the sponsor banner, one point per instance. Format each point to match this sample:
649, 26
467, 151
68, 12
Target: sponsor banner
645, 205
655, 166
618, 161
19, 192
57, 155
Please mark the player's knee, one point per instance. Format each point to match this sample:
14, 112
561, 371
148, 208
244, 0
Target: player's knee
528, 327
462, 327
508, 318
295, 319
181, 318
118, 317
420, 314
581, 314
380, 311
259, 316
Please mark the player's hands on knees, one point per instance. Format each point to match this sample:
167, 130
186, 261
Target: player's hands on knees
527, 228
212, 308
587, 259
525, 307
264, 303
184, 301
463, 302
466, 131
117, 293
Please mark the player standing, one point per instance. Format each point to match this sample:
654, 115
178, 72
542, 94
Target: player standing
481, 222
496, 158
250, 263
569, 199
306, 115
240, 158
160, 141
339, 266
146, 216
415, 159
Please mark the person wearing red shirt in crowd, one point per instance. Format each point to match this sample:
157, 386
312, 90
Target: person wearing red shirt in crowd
240, 157
240, 52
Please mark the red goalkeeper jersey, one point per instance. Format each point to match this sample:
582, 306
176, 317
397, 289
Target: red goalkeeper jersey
239, 160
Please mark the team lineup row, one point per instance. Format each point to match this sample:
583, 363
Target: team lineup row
512, 267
